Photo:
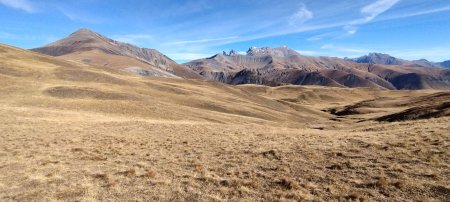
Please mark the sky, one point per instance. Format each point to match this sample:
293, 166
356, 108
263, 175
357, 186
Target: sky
192, 29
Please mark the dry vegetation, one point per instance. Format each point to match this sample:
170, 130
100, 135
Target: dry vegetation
82, 133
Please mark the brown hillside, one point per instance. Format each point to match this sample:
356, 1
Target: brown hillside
92, 48
73, 131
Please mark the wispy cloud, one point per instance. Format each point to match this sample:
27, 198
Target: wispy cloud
418, 13
344, 49
6, 35
78, 17
351, 29
309, 52
434, 54
24, 5
373, 10
179, 8
321, 36
200, 41
302, 15
369, 13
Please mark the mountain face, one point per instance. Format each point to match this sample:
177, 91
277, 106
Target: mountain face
279, 66
282, 51
379, 58
445, 64
89, 47
385, 59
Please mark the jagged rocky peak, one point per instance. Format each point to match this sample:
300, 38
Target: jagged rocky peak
282, 51
231, 53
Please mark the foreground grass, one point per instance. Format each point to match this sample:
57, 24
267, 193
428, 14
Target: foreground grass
60, 155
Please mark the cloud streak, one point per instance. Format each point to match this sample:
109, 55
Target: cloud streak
201, 41
301, 16
344, 49
418, 13
369, 13
6, 35
351, 27
24, 5
77, 16
432, 54
373, 10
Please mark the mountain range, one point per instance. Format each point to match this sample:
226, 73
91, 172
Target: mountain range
265, 66
385, 59
278, 66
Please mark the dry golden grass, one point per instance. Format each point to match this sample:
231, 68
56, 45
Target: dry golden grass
121, 137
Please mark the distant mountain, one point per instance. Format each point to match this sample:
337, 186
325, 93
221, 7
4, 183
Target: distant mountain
385, 59
265, 65
279, 66
379, 58
89, 47
425, 63
445, 64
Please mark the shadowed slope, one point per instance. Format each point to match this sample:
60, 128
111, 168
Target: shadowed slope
398, 108
421, 112
445, 64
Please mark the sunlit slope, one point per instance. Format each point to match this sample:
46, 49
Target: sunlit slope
92, 48
33, 80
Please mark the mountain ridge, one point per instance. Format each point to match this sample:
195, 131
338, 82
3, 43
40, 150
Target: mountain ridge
259, 65
82, 44
386, 59
282, 65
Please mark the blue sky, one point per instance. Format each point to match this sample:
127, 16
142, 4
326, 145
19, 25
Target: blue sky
186, 30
